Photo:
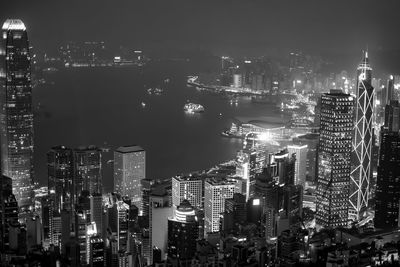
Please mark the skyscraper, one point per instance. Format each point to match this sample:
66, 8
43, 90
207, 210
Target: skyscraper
189, 188
362, 142
87, 164
215, 193
392, 116
387, 185
60, 177
16, 116
182, 233
129, 170
334, 154
301, 163
387, 197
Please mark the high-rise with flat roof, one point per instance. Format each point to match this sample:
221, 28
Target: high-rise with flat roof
16, 116
87, 161
215, 193
334, 152
189, 188
60, 172
129, 170
301, 163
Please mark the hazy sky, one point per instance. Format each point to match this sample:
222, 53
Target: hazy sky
335, 27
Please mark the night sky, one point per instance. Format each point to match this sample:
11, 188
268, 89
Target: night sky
336, 29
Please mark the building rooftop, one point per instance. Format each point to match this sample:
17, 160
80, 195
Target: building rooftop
129, 149
13, 24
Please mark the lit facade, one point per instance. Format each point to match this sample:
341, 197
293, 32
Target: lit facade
60, 177
334, 154
129, 170
87, 162
362, 142
189, 188
215, 193
16, 116
301, 163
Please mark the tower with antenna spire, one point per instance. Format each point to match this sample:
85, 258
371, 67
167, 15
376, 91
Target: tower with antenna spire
362, 142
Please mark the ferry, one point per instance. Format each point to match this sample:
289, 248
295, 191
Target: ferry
155, 91
193, 108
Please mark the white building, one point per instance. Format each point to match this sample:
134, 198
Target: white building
301, 163
129, 170
189, 188
215, 193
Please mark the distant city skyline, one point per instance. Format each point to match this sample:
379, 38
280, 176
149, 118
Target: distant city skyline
238, 28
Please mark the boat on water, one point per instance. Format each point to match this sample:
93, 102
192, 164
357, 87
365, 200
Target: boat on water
155, 91
193, 108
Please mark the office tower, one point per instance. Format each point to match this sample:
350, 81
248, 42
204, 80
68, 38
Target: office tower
283, 166
215, 193
129, 170
87, 165
189, 188
96, 212
311, 140
237, 80
387, 185
334, 154
389, 91
146, 191
182, 233
362, 142
55, 228
237, 206
243, 171
301, 163
16, 115
96, 256
122, 225
160, 211
60, 177
392, 116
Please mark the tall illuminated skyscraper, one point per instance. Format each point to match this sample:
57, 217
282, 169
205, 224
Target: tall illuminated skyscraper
129, 170
16, 116
362, 142
334, 154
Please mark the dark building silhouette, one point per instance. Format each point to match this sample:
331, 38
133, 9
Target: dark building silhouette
387, 184
60, 177
182, 234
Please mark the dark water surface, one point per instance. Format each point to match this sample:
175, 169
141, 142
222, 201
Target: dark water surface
102, 106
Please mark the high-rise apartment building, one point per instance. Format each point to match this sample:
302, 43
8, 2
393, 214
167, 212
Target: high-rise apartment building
16, 115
